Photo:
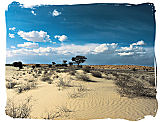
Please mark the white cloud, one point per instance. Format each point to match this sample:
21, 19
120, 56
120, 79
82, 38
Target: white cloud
13, 29
61, 38
13, 47
72, 49
11, 35
126, 54
33, 12
28, 45
35, 36
56, 13
100, 48
133, 49
139, 43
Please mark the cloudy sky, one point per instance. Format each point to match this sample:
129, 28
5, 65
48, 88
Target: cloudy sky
104, 33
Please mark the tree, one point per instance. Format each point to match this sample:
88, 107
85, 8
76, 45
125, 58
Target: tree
38, 65
64, 61
18, 64
33, 67
53, 63
70, 63
79, 59
49, 65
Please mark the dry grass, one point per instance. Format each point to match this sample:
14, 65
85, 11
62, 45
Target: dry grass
63, 83
26, 86
133, 88
61, 111
78, 92
21, 110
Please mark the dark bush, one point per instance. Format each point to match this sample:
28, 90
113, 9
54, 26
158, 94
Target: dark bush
87, 69
18, 64
10, 85
96, 74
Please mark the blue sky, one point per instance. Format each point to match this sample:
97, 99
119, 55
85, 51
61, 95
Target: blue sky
105, 33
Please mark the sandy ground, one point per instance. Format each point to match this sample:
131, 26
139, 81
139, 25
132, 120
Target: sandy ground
98, 99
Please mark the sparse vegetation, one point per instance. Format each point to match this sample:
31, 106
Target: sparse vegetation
46, 79
78, 92
97, 74
87, 69
64, 83
10, 85
21, 110
133, 88
83, 77
61, 111
26, 86
73, 72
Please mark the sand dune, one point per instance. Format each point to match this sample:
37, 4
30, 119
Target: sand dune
97, 100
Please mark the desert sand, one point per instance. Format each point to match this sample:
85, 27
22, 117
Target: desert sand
67, 96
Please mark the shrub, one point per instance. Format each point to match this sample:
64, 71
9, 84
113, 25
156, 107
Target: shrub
38, 65
133, 88
22, 110
26, 86
79, 92
72, 72
97, 74
10, 85
46, 79
33, 67
134, 69
83, 77
61, 111
50, 66
63, 83
87, 69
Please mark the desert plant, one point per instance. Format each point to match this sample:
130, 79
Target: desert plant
83, 77
46, 79
78, 92
96, 74
70, 63
10, 85
50, 66
21, 110
73, 72
25, 87
63, 83
82, 89
134, 69
38, 65
61, 111
87, 69
33, 67
133, 88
